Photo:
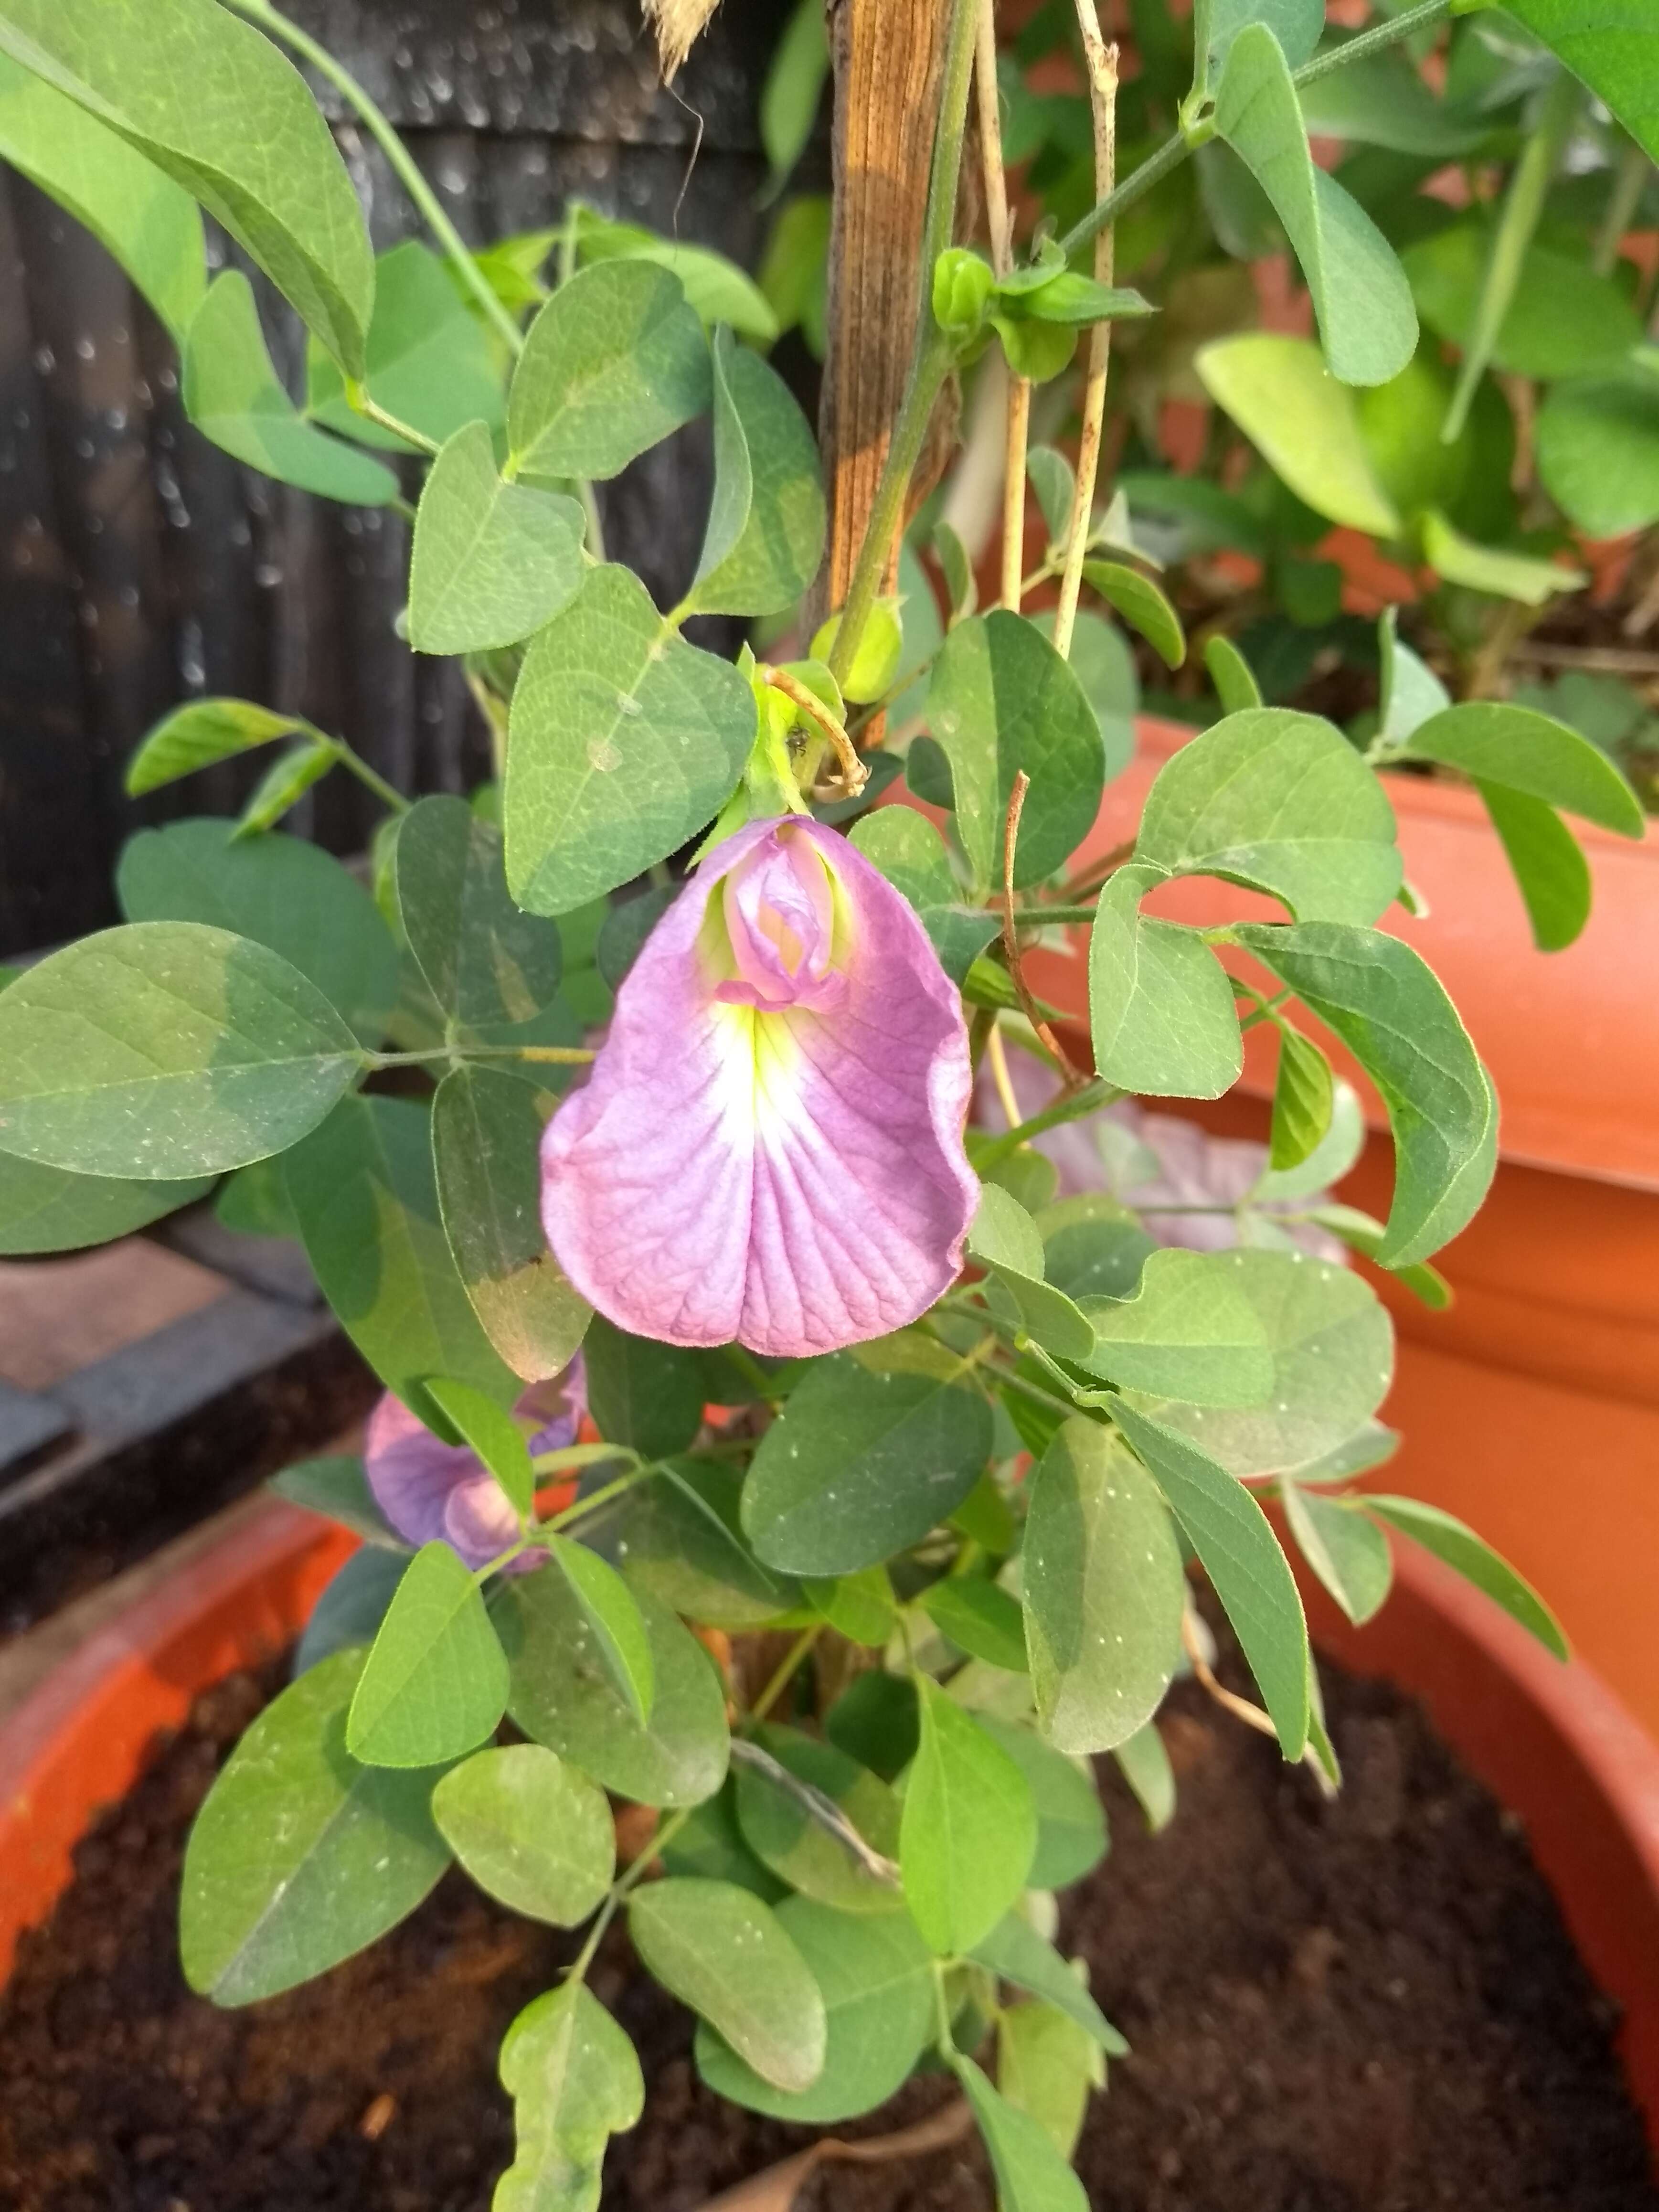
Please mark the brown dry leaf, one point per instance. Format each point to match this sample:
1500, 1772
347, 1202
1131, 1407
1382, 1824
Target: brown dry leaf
678, 24
775, 2190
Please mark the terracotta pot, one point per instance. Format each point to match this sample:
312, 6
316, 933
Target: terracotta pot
77, 1742
1551, 1741
1531, 1408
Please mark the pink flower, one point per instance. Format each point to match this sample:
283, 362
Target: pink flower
770, 1146
428, 1489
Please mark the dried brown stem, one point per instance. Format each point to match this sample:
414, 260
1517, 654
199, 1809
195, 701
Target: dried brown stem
1000, 223
1102, 61
1240, 1708
1071, 1075
776, 2188
853, 772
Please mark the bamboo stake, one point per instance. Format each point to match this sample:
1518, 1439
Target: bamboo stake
1103, 103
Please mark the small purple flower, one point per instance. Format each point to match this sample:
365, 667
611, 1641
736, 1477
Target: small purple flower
770, 1146
428, 1489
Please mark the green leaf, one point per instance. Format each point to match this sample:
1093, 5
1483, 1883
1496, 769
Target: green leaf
484, 960
1100, 660
910, 852
494, 1436
199, 734
1562, 320
285, 783
166, 1050
1287, 403
1004, 1238
430, 360
43, 1209
980, 1619
574, 2081
1241, 1556
353, 1604
1598, 451
492, 562
640, 1392
486, 1130
232, 395
1053, 480
1094, 1247
1031, 2176
136, 212
786, 1837
1296, 24
873, 1448
435, 1684
722, 1951
283, 893
1145, 1767
1046, 2068
1303, 1098
1332, 1345
564, 1695
364, 1191
531, 1830
1230, 673
613, 1616
1495, 743
1015, 1953
222, 111
1388, 1007
623, 742
766, 526
1161, 1011
1547, 861
1487, 568
1470, 1556
1188, 1332
876, 1980
718, 290
1281, 802
680, 1538
1103, 1590
614, 361
1346, 1549
792, 91
1001, 700
300, 1856
1071, 1826
860, 1607
1330, 1159
1381, 100
876, 1719
338, 1486
1612, 50
1366, 319
968, 1830
1363, 1232
1412, 692
1142, 605
709, 1843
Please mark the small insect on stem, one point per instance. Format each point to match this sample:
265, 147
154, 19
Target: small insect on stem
853, 774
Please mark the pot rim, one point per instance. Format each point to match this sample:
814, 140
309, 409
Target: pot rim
1550, 1739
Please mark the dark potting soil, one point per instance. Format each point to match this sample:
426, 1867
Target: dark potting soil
1369, 2006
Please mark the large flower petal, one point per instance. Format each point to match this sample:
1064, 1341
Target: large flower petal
793, 1179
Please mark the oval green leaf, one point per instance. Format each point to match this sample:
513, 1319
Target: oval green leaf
534, 1833
719, 1950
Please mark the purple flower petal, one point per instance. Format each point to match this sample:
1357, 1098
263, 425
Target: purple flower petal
428, 1489
769, 1148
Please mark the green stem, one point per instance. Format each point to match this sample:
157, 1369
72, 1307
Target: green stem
358, 766
782, 1675
562, 1055
358, 400
1523, 204
932, 361
403, 162
1628, 180
1087, 1101
1175, 151
1066, 914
